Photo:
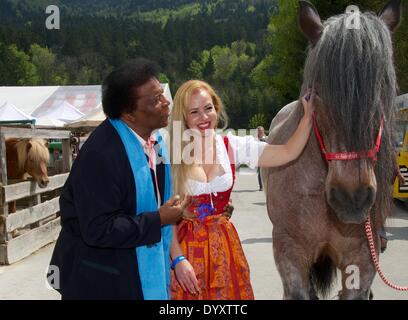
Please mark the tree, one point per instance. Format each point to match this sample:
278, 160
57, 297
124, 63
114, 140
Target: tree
44, 61
282, 68
258, 120
16, 68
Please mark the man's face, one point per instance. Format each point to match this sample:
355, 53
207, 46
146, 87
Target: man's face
261, 132
152, 108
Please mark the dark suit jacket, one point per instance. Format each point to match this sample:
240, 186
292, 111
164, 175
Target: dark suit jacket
95, 251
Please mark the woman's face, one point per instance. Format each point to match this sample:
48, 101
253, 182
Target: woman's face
201, 113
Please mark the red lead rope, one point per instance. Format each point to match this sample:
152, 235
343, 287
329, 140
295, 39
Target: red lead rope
329, 156
369, 234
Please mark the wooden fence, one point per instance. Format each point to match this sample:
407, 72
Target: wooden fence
37, 223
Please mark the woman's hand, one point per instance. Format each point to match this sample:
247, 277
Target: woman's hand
278, 155
186, 277
308, 104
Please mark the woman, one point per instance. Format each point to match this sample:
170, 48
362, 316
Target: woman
207, 258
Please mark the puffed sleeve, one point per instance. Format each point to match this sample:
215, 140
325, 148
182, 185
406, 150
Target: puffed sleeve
247, 149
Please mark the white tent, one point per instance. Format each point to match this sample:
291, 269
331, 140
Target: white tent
42, 101
65, 112
167, 93
27, 98
9, 112
49, 122
402, 101
92, 119
96, 116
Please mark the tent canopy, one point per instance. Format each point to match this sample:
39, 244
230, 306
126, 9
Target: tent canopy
49, 122
65, 112
92, 119
42, 101
9, 112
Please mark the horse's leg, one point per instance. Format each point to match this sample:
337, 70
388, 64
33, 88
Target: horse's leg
294, 272
12, 207
357, 277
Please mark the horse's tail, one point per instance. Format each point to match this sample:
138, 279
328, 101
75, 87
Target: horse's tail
322, 275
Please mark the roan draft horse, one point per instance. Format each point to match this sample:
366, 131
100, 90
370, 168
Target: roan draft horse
27, 157
318, 203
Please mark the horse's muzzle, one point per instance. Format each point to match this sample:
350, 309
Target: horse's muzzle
43, 183
351, 207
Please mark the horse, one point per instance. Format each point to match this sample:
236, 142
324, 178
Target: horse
318, 203
27, 157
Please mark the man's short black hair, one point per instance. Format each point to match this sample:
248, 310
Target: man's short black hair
117, 88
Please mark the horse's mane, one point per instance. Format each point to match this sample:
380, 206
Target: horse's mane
353, 72
38, 151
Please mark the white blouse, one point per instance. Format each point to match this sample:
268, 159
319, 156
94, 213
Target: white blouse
247, 150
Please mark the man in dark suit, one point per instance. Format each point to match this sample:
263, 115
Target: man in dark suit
96, 255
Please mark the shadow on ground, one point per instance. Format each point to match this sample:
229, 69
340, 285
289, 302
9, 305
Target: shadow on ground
256, 240
244, 191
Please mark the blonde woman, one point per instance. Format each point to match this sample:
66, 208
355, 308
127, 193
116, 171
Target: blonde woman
207, 258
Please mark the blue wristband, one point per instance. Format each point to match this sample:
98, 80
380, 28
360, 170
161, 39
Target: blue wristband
177, 260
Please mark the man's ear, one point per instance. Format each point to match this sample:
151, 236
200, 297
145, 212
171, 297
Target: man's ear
309, 21
391, 14
128, 116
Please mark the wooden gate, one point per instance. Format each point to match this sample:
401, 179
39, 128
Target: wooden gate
40, 215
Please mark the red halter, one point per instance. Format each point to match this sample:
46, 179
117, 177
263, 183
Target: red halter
329, 156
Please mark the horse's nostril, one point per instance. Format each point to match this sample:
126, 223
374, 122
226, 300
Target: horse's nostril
44, 183
364, 197
361, 199
338, 196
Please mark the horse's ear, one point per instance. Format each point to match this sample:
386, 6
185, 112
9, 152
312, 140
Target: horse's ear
309, 21
391, 14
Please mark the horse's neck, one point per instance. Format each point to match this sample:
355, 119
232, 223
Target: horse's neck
310, 161
285, 123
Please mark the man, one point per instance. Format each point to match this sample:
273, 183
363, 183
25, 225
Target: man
114, 242
261, 137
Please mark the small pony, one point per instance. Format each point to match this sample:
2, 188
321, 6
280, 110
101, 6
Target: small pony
318, 203
27, 157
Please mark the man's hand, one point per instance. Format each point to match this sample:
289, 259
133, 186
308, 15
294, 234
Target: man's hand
228, 210
171, 211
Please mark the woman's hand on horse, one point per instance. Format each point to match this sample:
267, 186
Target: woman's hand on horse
186, 277
308, 104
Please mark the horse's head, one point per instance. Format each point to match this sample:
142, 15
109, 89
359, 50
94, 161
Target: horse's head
350, 66
34, 158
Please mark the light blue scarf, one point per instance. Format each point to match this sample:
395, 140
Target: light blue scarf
153, 260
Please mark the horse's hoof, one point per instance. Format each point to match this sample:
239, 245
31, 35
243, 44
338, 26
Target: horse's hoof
15, 233
371, 295
383, 244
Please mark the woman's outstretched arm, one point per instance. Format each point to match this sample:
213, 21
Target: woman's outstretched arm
277, 155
